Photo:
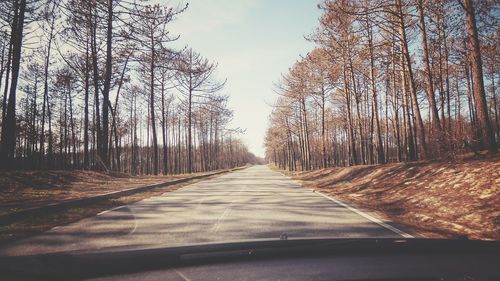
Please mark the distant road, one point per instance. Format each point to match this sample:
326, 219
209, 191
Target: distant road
254, 203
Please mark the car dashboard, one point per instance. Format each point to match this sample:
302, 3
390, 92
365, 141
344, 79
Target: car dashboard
301, 259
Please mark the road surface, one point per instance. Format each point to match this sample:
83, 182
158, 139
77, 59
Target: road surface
254, 203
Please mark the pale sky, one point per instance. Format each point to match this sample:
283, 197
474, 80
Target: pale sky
254, 41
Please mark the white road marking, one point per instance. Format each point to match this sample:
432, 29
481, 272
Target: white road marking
110, 210
135, 224
219, 221
361, 213
226, 212
182, 275
119, 207
367, 216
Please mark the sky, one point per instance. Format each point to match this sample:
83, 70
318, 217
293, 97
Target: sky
254, 42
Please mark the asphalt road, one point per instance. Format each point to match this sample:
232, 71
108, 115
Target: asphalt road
254, 203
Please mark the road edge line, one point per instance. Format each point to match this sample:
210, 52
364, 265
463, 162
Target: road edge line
367, 216
355, 210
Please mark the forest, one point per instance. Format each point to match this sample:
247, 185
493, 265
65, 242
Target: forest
390, 81
94, 84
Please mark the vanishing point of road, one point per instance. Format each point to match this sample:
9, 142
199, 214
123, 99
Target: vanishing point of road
249, 204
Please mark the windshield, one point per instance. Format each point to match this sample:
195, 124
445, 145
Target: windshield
139, 124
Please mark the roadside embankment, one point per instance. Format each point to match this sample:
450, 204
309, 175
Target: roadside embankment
434, 199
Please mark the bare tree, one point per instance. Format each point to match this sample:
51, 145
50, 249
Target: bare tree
488, 135
150, 33
196, 82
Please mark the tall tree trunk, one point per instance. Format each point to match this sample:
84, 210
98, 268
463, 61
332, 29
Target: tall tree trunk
413, 90
86, 108
495, 103
379, 144
164, 119
7, 72
358, 113
350, 125
485, 125
107, 85
323, 137
190, 142
74, 163
45, 96
428, 72
9, 125
409, 140
114, 113
307, 146
95, 67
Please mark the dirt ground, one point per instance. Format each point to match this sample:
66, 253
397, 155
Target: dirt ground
65, 184
26, 189
459, 199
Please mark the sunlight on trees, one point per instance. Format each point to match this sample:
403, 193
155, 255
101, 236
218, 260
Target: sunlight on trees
367, 94
85, 85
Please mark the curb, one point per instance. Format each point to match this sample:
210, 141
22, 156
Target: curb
9, 218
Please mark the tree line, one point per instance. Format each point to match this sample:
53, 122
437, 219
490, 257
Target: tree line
94, 84
390, 81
